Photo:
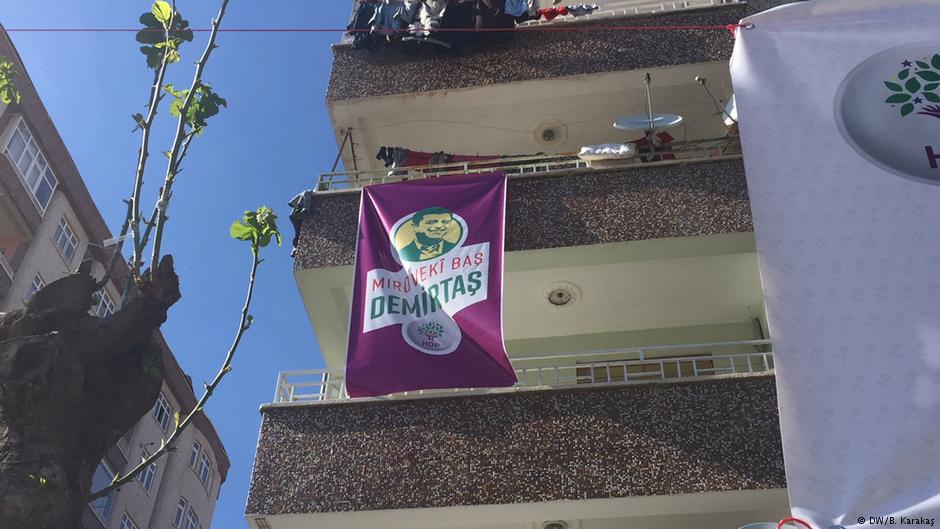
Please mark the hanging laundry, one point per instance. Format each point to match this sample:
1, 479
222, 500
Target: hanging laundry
408, 12
429, 17
361, 21
550, 13
582, 9
534, 6
384, 21
516, 8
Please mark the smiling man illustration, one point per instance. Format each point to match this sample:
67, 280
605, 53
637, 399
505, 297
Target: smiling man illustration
430, 226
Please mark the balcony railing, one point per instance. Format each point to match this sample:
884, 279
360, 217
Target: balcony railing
621, 8
541, 164
7, 269
607, 367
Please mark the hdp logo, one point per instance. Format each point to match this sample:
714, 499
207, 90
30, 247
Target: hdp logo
438, 335
888, 110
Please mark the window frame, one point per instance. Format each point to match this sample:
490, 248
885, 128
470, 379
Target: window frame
125, 520
205, 465
62, 226
192, 519
32, 291
180, 515
21, 128
106, 514
194, 454
104, 299
147, 476
164, 423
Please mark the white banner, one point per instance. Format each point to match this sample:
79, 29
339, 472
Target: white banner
840, 117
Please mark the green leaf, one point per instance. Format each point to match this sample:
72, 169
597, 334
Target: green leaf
912, 85
922, 64
898, 98
162, 11
935, 61
907, 109
893, 86
902, 75
928, 75
259, 227
240, 231
931, 86
932, 97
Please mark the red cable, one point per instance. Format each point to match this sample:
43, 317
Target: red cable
795, 520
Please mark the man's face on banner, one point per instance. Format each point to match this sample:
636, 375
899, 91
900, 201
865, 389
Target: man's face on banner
432, 228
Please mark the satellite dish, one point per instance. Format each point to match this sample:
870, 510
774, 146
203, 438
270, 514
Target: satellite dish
731, 112
641, 122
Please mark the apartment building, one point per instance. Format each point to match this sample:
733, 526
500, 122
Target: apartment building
633, 305
49, 224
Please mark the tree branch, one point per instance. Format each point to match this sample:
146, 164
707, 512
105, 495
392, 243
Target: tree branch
243, 324
181, 136
156, 95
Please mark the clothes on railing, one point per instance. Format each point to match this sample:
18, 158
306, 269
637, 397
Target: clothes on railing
378, 22
300, 205
401, 157
657, 150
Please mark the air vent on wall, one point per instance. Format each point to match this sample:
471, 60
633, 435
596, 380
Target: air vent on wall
550, 133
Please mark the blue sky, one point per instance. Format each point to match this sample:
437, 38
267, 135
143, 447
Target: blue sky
270, 144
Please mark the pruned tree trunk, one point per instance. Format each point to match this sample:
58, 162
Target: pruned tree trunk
70, 385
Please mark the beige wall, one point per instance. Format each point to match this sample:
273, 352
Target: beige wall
174, 477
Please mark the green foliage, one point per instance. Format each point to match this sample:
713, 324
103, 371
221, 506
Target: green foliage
918, 83
163, 33
204, 105
257, 227
8, 92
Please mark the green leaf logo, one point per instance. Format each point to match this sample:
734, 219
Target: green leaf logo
916, 84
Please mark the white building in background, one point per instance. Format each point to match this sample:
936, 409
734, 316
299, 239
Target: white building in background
49, 224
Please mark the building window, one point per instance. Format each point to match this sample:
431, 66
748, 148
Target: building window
205, 470
31, 165
146, 477
180, 512
101, 479
101, 303
192, 521
34, 287
127, 523
162, 412
194, 455
65, 240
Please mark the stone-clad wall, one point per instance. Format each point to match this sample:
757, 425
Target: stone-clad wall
536, 55
575, 210
653, 439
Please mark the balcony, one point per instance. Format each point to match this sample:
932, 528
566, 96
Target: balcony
582, 370
533, 55
661, 455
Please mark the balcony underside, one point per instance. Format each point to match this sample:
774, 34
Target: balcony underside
663, 439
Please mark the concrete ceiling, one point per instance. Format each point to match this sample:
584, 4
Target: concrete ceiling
656, 284
504, 118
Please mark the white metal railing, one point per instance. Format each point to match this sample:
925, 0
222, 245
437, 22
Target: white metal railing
539, 164
623, 8
604, 367
6, 266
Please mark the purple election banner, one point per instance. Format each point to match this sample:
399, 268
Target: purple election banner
428, 287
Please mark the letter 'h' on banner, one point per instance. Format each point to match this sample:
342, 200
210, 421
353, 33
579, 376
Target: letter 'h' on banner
428, 287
